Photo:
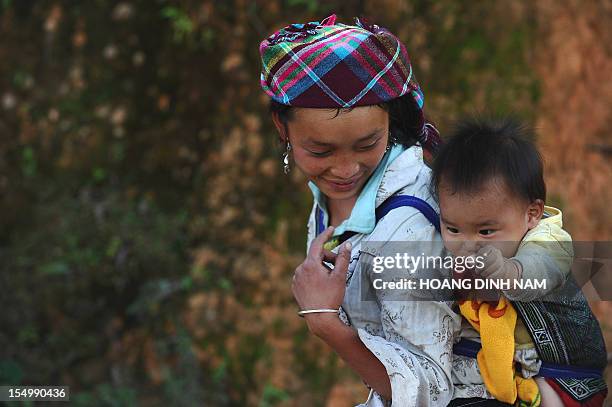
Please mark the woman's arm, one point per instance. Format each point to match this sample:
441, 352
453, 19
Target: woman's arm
346, 343
315, 286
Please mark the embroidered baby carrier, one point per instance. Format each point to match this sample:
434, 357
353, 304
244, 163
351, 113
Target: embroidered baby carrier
567, 338
574, 358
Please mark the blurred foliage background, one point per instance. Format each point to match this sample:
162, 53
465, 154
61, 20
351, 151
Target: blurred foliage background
147, 234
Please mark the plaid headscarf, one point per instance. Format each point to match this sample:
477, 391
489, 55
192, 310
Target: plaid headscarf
329, 65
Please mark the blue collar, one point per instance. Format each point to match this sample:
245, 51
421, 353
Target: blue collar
363, 215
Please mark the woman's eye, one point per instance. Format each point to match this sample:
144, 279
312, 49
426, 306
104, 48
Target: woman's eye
369, 147
452, 230
486, 232
319, 153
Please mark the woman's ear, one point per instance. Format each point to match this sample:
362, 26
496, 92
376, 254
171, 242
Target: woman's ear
280, 127
535, 210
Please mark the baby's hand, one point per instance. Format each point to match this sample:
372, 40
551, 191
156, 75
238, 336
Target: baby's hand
496, 266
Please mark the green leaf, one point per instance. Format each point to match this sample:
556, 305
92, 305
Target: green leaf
99, 174
272, 396
113, 246
10, 372
55, 268
28, 162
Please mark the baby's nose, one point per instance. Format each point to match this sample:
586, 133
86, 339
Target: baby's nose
470, 247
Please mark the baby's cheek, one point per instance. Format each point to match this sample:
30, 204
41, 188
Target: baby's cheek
508, 242
507, 245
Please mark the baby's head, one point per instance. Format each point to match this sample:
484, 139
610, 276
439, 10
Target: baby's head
490, 186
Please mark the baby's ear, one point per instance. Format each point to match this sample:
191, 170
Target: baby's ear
535, 210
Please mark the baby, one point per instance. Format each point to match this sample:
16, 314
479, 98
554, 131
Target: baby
489, 181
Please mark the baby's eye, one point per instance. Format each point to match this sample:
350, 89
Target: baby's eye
452, 230
486, 232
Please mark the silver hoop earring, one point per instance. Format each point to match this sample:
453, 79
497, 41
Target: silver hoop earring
286, 167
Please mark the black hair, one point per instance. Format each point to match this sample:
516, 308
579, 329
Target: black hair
405, 118
482, 148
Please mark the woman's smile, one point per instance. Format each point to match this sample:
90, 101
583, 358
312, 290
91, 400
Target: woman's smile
344, 185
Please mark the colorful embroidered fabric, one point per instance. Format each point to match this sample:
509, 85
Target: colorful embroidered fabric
329, 65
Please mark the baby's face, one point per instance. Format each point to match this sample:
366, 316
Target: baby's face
490, 216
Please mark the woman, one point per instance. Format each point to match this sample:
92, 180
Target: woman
350, 116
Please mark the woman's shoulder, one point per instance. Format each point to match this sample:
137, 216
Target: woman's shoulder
402, 224
406, 225
406, 175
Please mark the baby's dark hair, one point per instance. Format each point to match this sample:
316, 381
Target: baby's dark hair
480, 149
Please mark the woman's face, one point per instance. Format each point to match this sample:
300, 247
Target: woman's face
338, 153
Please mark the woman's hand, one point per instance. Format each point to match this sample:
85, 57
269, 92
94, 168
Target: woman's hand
315, 285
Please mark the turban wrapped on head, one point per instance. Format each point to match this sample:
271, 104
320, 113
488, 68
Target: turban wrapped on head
329, 65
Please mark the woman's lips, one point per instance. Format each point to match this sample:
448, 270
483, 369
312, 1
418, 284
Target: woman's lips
343, 186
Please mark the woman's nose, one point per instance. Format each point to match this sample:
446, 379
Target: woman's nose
345, 169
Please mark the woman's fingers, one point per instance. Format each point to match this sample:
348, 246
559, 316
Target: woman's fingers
342, 261
316, 247
329, 256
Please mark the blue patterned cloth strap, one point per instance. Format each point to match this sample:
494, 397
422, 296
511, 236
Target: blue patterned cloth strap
387, 206
470, 349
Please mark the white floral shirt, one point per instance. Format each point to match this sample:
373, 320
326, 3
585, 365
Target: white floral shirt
412, 339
